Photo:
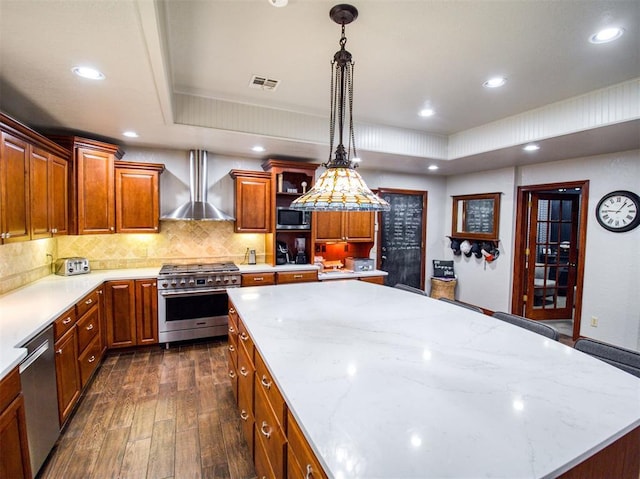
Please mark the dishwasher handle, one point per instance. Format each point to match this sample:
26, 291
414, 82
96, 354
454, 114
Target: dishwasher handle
33, 357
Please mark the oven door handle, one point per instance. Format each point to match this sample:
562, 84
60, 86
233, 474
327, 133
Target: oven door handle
192, 292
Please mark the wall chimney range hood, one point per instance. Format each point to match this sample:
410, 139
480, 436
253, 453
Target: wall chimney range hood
198, 208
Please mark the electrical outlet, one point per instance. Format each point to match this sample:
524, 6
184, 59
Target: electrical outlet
594, 322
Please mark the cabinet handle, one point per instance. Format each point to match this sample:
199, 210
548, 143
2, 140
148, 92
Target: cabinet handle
232, 311
244, 415
232, 374
231, 348
1, 235
111, 228
92, 359
7, 235
231, 330
259, 278
90, 327
99, 291
244, 336
244, 371
265, 429
297, 276
265, 382
88, 301
67, 320
309, 474
59, 351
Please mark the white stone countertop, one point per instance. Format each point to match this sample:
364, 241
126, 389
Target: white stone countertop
390, 384
348, 274
28, 310
267, 268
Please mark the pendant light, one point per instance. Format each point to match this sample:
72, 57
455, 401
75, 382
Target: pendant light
340, 187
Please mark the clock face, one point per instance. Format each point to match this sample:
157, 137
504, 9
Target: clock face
618, 211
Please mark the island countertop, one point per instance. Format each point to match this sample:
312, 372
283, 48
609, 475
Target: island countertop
390, 384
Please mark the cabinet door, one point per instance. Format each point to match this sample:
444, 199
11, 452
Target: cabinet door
59, 196
358, 225
328, 226
137, 201
120, 313
146, 311
14, 189
96, 208
253, 205
14, 449
39, 193
67, 374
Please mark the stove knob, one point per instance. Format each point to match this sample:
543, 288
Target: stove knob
192, 282
165, 284
218, 279
234, 279
183, 282
210, 280
226, 279
173, 283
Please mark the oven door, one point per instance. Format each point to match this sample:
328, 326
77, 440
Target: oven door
192, 309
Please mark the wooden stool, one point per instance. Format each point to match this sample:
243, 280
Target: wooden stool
443, 289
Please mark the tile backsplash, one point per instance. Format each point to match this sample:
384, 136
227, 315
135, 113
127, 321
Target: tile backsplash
177, 242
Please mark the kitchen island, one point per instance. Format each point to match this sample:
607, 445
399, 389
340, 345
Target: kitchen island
389, 384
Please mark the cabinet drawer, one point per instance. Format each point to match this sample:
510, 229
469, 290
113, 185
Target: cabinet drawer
233, 375
265, 382
233, 315
245, 340
284, 277
245, 374
10, 387
269, 433
263, 468
86, 303
300, 458
64, 323
373, 279
245, 405
258, 279
88, 327
89, 360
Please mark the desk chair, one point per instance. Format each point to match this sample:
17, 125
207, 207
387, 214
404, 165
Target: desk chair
535, 326
462, 305
621, 358
411, 289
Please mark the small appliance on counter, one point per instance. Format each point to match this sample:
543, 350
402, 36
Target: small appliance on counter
301, 257
282, 253
72, 266
359, 264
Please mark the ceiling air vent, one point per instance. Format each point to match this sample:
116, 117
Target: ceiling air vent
263, 83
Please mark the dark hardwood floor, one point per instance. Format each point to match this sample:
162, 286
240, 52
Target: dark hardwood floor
156, 413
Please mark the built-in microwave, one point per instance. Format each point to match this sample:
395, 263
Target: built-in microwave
288, 219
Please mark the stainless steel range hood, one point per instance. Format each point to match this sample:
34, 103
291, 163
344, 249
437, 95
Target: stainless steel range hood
198, 208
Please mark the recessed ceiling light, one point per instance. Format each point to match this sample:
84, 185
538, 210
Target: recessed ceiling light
130, 134
531, 147
495, 82
258, 149
433, 167
279, 3
607, 35
88, 72
426, 112
356, 159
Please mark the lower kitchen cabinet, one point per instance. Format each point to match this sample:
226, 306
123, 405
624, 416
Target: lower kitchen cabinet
14, 448
67, 373
131, 312
286, 277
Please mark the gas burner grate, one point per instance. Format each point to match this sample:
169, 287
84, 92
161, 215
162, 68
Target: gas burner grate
198, 268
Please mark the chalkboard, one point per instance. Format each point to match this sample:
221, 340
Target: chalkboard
478, 216
401, 236
443, 269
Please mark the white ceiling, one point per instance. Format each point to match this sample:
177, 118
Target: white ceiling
408, 54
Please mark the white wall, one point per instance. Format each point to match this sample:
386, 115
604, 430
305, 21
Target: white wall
485, 284
612, 260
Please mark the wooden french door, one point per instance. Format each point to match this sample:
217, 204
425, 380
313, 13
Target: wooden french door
551, 255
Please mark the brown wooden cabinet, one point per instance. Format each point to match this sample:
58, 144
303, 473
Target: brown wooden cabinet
131, 312
14, 189
258, 279
286, 277
14, 448
67, 373
137, 197
352, 226
146, 311
252, 201
48, 194
89, 333
58, 195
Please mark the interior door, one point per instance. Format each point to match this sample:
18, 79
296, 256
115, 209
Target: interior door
551, 255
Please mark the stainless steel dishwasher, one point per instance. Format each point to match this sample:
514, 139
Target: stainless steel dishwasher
38, 377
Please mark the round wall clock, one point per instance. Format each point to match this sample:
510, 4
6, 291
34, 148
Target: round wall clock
618, 211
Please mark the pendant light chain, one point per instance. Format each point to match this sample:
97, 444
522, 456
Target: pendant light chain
332, 116
352, 138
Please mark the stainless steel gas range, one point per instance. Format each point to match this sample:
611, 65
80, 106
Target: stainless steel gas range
192, 300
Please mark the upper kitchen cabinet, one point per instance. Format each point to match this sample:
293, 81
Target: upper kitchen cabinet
352, 226
33, 184
137, 197
253, 201
92, 186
